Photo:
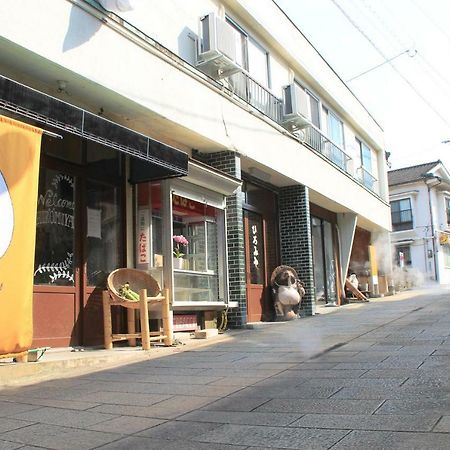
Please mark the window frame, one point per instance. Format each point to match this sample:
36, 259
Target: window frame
246, 37
446, 255
330, 113
447, 209
402, 223
363, 146
401, 247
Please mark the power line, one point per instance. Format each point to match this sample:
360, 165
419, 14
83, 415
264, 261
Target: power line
379, 65
372, 43
430, 69
431, 19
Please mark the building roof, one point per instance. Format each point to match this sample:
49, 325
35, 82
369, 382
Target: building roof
410, 174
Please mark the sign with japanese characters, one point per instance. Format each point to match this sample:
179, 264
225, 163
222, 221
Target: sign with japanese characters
143, 237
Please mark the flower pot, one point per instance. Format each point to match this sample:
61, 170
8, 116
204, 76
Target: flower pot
178, 263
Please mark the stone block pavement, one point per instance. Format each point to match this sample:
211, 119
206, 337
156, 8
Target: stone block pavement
368, 376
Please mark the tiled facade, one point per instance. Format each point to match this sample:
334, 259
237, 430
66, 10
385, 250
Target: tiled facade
296, 241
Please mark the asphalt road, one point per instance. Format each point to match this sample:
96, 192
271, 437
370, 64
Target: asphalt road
370, 376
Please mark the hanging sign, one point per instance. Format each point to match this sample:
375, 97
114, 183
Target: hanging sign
19, 174
143, 249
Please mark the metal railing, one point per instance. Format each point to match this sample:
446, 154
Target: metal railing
256, 95
367, 179
317, 140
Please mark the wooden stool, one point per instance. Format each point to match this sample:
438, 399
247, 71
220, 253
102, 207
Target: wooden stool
155, 303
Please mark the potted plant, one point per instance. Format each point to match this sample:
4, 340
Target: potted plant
179, 241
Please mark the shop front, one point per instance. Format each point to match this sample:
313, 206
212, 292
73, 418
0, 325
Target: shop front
87, 172
181, 238
325, 251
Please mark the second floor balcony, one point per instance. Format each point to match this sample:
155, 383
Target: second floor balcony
256, 95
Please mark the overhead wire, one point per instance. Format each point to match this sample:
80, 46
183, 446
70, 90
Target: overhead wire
422, 60
385, 57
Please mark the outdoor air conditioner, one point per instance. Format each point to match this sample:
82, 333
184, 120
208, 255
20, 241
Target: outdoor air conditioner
216, 47
296, 114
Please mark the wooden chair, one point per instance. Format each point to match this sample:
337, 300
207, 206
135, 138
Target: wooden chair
150, 301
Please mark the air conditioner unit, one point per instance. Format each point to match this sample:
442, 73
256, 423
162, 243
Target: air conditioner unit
296, 113
216, 47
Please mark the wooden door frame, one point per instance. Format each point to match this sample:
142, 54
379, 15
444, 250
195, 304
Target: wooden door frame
75, 170
264, 285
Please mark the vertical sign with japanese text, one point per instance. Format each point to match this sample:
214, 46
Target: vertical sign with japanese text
143, 237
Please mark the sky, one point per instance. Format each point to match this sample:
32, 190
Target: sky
408, 96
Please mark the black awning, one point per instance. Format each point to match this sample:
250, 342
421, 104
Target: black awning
151, 159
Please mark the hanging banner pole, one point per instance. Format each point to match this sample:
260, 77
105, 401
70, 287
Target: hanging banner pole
19, 173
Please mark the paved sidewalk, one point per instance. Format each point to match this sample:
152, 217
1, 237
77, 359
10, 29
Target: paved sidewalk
369, 376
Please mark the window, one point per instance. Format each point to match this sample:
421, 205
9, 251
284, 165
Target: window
335, 131
366, 155
366, 165
314, 108
403, 255
447, 207
446, 253
251, 56
401, 214
197, 277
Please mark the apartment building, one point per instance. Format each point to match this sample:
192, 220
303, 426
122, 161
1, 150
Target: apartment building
213, 120
420, 208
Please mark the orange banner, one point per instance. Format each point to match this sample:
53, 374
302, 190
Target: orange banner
19, 173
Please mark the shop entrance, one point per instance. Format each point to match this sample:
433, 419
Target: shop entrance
261, 248
324, 260
78, 241
255, 265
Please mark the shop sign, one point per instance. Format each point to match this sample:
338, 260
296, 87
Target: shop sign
255, 252
444, 239
143, 236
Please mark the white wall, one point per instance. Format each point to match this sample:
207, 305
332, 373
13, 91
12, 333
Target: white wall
179, 100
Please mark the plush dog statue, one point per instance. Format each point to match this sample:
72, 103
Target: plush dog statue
287, 291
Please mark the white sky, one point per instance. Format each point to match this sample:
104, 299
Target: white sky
414, 126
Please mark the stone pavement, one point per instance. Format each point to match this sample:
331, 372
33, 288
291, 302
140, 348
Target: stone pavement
369, 376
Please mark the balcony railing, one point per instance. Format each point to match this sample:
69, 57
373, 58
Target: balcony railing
252, 92
367, 179
317, 140
256, 95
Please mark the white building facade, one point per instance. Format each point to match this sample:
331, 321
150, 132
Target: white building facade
420, 208
215, 120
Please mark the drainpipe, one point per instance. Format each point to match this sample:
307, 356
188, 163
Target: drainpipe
426, 178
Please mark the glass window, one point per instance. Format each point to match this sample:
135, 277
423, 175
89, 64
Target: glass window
447, 207
366, 156
330, 266
251, 56
334, 149
149, 246
104, 240
68, 148
401, 214
258, 62
446, 252
366, 164
196, 250
241, 45
335, 129
54, 255
319, 267
314, 108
